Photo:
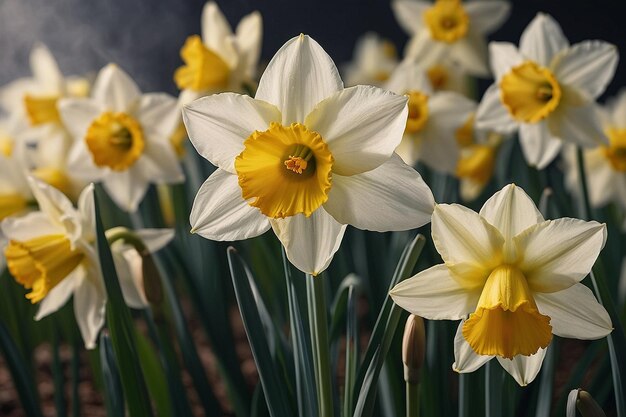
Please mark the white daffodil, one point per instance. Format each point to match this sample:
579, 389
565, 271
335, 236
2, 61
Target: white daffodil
605, 166
516, 275
219, 60
52, 253
547, 90
15, 194
305, 157
433, 119
374, 60
451, 29
121, 137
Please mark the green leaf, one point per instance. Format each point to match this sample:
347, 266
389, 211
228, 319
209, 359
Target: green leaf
113, 395
352, 347
121, 328
382, 336
156, 380
546, 386
273, 385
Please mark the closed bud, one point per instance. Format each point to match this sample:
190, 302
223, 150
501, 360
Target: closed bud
413, 348
151, 279
587, 406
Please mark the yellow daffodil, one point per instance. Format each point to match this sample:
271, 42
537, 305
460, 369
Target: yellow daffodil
305, 157
121, 137
220, 60
513, 279
605, 165
433, 119
546, 90
374, 60
451, 30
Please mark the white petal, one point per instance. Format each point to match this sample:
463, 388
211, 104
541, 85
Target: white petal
45, 69
58, 296
155, 239
409, 13
219, 211
80, 163
29, 226
423, 49
391, 197
523, 369
249, 35
128, 266
559, 253
587, 66
470, 53
434, 294
465, 359
576, 123
126, 188
87, 212
604, 183
89, 309
78, 114
542, 40
492, 115
575, 313
158, 114
487, 16
160, 163
310, 242
465, 241
299, 76
56, 206
538, 144
504, 56
219, 124
216, 31
362, 126
114, 89
617, 109
511, 211
408, 75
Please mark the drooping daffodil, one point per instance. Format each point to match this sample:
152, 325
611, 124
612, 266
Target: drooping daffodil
121, 137
546, 90
305, 157
512, 278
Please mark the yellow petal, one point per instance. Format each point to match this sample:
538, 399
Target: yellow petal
203, 69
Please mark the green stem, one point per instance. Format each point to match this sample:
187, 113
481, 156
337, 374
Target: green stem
319, 339
412, 400
583, 183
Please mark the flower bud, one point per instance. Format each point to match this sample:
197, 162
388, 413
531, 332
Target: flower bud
413, 348
587, 406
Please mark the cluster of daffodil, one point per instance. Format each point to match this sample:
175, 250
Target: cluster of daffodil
298, 152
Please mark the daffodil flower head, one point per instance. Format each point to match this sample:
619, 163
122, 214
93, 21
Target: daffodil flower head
546, 90
450, 30
121, 137
374, 60
305, 157
513, 279
433, 119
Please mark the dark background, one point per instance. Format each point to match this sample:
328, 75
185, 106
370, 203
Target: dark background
144, 36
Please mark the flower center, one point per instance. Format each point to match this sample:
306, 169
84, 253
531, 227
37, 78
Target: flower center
418, 112
41, 263
438, 76
115, 140
477, 163
285, 170
55, 177
203, 69
530, 92
447, 20
616, 151
11, 204
42, 109
506, 322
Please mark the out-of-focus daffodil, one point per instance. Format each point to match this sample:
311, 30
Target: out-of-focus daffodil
121, 137
374, 61
433, 119
305, 157
15, 193
516, 275
547, 90
220, 60
451, 30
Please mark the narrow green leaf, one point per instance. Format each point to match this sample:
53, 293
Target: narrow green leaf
59, 380
155, 376
76, 347
493, 389
382, 336
121, 328
273, 386
546, 385
352, 349
113, 395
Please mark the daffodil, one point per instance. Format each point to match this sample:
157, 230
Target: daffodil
451, 29
374, 60
513, 279
433, 119
605, 165
305, 157
15, 194
546, 90
121, 137
220, 60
